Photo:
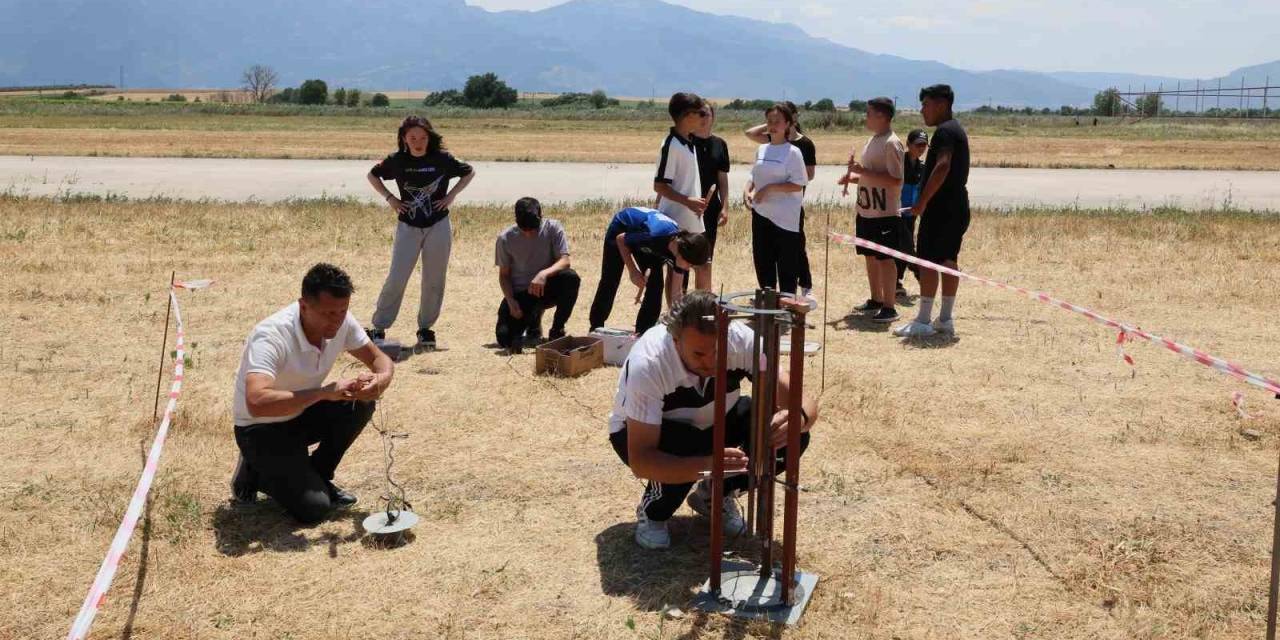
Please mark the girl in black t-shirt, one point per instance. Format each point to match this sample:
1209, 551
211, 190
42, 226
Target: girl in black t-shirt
421, 169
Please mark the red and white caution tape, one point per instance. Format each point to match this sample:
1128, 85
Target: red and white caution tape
98, 591
192, 285
1127, 332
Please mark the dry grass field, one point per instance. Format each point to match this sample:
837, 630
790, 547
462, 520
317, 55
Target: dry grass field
1017, 482
1004, 141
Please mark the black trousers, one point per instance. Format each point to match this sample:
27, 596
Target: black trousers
660, 500
276, 453
776, 253
805, 277
561, 292
611, 270
908, 242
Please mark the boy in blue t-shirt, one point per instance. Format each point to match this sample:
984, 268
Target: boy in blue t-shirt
641, 241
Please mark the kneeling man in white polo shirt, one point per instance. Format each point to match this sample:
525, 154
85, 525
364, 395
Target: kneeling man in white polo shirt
283, 406
665, 407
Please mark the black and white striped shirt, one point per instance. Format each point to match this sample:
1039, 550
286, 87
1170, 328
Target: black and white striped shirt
655, 385
678, 167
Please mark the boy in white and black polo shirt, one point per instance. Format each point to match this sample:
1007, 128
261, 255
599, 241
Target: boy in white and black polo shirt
678, 182
665, 407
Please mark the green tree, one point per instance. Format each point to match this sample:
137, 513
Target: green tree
288, 95
825, 104
488, 92
1107, 103
1149, 105
445, 98
599, 99
313, 92
353, 97
857, 105
340, 97
379, 100
739, 104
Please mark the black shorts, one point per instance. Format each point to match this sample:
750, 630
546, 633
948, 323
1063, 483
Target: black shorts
942, 230
883, 231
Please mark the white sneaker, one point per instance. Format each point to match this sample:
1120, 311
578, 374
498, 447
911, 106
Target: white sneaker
914, 329
699, 500
652, 534
807, 297
947, 326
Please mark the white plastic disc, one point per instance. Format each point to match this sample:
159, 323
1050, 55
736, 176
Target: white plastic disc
809, 347
377, 523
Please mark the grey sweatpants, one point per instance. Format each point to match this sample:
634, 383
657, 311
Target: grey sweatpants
433, 244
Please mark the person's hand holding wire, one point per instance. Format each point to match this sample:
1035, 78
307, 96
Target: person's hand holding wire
638, 280
735, 460
781, 423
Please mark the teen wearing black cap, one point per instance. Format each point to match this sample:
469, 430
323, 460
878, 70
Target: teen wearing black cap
943, 210
912, 177
534, 272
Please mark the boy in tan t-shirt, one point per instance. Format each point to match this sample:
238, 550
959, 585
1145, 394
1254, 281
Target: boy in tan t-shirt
879, 180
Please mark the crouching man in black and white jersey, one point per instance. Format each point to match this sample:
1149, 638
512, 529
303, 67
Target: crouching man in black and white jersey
664, 410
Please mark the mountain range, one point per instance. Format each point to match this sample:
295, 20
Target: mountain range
625, 47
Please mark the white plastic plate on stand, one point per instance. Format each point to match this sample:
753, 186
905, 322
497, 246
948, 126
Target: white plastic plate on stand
377, 524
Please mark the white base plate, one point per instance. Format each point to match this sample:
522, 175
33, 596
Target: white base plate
377, 524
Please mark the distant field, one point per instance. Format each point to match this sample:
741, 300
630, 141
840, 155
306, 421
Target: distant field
621, 134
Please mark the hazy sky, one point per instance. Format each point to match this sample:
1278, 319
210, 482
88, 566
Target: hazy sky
1188, 38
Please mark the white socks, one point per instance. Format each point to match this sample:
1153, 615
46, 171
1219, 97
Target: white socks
948, 303
926, 310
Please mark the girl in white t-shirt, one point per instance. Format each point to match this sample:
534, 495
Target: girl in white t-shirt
775, 194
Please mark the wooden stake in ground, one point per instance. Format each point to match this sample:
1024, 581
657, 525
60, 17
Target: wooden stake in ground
168, 307
1275, 565
826, 299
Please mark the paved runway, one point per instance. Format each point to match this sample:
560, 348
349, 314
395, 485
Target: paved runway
275, 180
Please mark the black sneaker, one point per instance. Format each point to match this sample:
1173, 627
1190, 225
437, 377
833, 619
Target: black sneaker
555, 334
341, 497
516, 347
868, 306
244, 483
426, 341
533, 337
377, 335
885, 315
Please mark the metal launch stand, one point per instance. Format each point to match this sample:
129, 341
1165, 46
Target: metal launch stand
760, 591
